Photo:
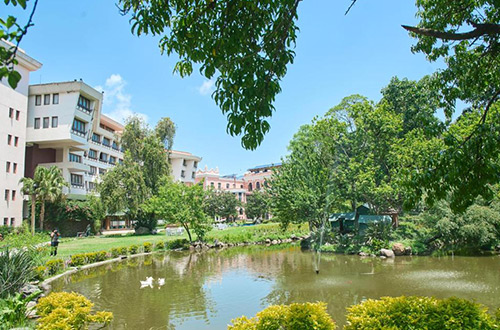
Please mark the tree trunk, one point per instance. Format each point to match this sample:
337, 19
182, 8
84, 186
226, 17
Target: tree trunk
188, 232
42, 215
33, 209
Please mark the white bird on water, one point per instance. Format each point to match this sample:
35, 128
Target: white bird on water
147, 282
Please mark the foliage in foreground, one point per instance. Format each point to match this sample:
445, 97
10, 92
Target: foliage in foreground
65, 311
295, 316
16, 269
419, 313
13, 310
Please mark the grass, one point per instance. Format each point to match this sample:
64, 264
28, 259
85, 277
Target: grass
256, 233
68, 247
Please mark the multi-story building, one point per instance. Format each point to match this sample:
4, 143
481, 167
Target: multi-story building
13, 113
184, 166
257, 178
66, 128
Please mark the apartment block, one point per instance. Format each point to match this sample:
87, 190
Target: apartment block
66, 128
13, 114
184, 166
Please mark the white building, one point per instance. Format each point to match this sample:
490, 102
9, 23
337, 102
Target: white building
66, 128
184, 166
13, 114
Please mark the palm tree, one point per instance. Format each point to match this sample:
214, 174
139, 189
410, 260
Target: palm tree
50, 185
47, 185
29, 188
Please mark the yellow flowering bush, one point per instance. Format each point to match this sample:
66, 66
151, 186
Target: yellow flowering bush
307, 316
418, 313
68, 311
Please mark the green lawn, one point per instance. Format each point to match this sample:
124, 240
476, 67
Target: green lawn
72, 246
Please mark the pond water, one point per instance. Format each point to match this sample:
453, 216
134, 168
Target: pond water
206, 290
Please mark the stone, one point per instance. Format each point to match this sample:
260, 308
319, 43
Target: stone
386, 253
383, 257
274, 242
408, 251
294, 238
142, 230
31, 310
29, 289
268, 241
363, 254
398, 249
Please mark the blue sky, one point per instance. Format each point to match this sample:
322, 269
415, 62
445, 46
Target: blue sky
337, 56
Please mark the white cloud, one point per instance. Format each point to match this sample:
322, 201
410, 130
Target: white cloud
117, 103
207, 87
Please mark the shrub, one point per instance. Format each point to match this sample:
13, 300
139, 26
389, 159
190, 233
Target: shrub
54, 266
63, 310
101, 256
294, 316
418, 313
132, 249
40, 272
115, 252
13, 310
148, 247
77, 259
160, 246
90, 257
122, 251
180, 243
16, 269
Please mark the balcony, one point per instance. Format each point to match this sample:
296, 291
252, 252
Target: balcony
78, 133
84, 110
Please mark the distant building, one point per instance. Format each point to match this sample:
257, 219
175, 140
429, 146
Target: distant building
242, 186
13, 114
184, 166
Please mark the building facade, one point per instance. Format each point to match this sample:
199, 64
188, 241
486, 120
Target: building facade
183, 166
13, 116
66, 128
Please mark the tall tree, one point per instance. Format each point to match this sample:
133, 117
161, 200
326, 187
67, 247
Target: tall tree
180, 204
47, 186
165, 130
257, 205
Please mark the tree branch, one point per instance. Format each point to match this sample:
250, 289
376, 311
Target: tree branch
480, 30
350, 6
483, 117
24, 31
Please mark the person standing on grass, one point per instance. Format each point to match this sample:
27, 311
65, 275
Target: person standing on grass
54, 241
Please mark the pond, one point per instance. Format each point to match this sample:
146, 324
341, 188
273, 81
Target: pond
206, 290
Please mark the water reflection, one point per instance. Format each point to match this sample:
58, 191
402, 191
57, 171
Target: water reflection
206, 290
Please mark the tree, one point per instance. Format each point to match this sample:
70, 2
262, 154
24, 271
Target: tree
221, 203
165, 130
46, 186
180, 204
257, 205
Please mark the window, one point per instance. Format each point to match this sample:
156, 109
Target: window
9, 139
16, 141
211, 184
112, 160
13, 195
46, 122
7, 167
14, 168
241, 186
84, 103
93, 170
18, 114
91, 186
120, 161
5, 221
55, 98
195, 164
7, 192
77, 180
96, 138
37, 123
12, 220
219, 185
75, 158
55, 122
183, 174
103, 157
227, 185
79, 126
257, 185
250, 188
115, 145
38, 100
11, 112
193, 175
106, 141
92, 154
102, 171
46, 99
184, 163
